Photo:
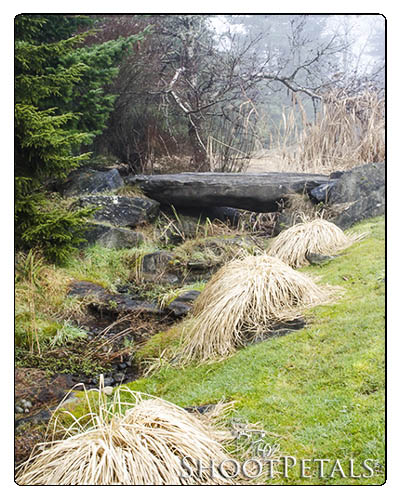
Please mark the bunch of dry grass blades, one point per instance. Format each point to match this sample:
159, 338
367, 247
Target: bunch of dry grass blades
316, 236
144, 440
250, 296
139, 442
245, 299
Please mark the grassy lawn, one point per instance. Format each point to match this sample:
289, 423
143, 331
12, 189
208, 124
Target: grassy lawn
320, 390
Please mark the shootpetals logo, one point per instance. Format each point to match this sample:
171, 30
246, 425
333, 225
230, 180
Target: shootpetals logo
262, 460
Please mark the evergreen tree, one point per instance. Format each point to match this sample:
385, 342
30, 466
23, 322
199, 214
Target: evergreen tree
90, 96
52, 122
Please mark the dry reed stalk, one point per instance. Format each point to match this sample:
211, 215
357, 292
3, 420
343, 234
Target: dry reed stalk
140, 442
349, 130
317, 236
245, 298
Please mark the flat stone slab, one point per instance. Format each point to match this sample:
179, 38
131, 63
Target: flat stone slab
255, 192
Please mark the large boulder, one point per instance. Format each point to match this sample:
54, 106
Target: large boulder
255, 192
88, 181
94, 231
359, 182
363, 208
359, 194
349, 196
123, 211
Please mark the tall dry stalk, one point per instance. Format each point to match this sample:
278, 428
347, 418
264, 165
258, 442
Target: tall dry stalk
349, 130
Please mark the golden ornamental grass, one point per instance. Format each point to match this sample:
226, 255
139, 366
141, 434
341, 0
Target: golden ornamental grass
128, 443
317, 236
245, 298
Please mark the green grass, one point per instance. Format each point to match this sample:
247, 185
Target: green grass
320, 389
107, 267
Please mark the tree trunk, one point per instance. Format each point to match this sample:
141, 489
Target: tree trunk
199, 152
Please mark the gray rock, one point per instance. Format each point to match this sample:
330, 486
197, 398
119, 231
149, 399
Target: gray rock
119, 376
189, 296
118, 238
336, 175
72, 399
357, 183
362, 192
156, 262
108, 390
85, 180
224, 214
200, 409
182, 305
123, 211
179, 309
94, 231
321, 192
366, 207
155, 268
255, 192
318, 259
26, 404
41, 417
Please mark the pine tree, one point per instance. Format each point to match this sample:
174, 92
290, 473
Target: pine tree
90, 96
60, 104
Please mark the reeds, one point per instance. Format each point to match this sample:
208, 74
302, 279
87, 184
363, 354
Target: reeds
348, 130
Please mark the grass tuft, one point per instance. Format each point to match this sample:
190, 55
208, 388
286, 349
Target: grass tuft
317, 236
136, 442
244, 299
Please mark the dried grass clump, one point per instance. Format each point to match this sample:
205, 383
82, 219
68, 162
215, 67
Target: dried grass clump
246, 298
317, 236
128, 443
